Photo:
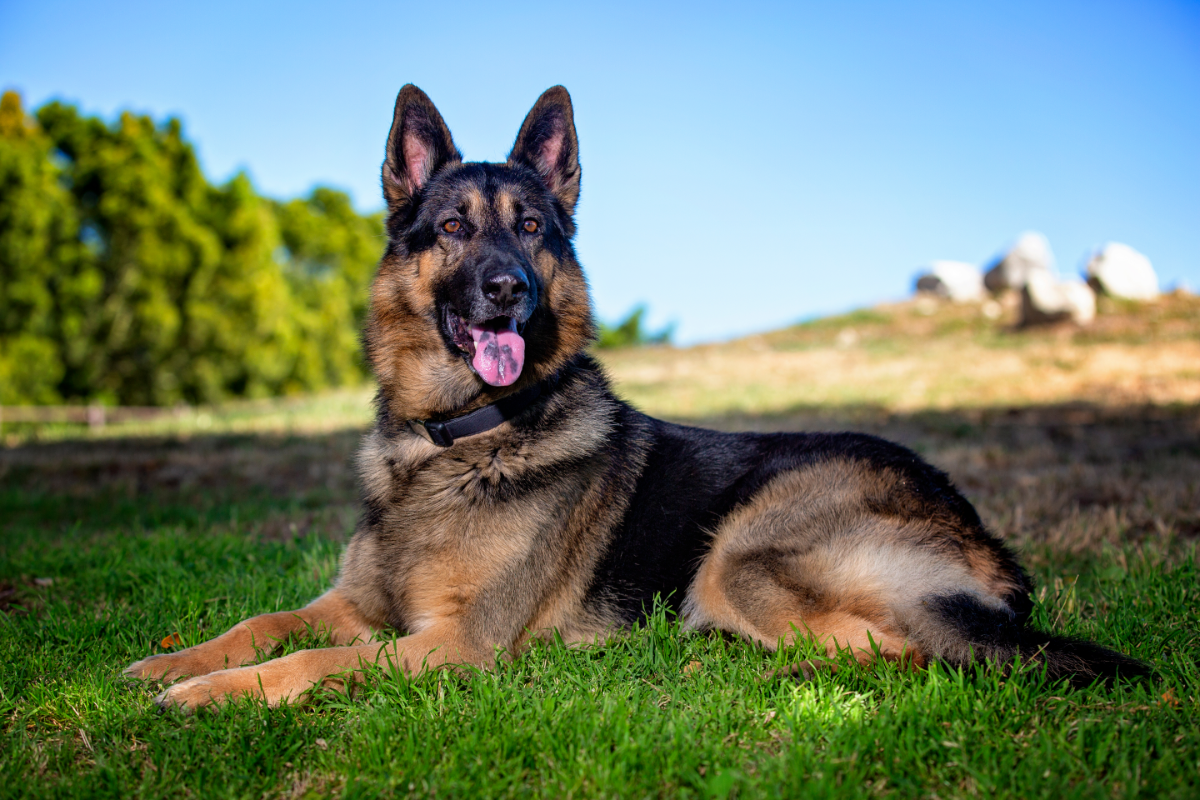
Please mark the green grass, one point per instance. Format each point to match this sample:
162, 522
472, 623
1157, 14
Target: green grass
112, 540
655, 713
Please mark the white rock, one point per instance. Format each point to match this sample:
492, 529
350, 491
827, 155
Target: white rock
956, 280
1081, 301
1119, 270
1045, 299
1029, 254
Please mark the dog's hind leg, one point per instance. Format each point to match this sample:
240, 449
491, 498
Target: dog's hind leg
811, 555
852, 557
257, 637
757, 595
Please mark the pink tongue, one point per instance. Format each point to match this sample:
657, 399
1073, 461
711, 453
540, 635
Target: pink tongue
499, 352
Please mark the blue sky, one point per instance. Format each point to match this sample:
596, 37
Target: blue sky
744, 165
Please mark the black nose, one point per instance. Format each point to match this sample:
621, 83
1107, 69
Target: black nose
506, 287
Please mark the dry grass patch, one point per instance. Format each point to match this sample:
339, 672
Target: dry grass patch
925, 354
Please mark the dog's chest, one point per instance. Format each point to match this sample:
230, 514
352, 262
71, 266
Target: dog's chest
479, 483
469, 508
446, 529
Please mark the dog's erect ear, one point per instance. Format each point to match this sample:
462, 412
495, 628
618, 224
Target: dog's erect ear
547, 142
418, 146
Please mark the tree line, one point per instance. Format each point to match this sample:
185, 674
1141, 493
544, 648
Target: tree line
126, 277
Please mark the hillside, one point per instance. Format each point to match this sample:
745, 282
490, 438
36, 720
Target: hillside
927, 354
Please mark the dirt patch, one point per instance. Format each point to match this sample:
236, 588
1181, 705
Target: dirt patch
8, 597
1069, 478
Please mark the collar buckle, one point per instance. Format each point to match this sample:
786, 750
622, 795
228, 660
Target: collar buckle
434, 432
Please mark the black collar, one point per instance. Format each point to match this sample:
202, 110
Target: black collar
444, 433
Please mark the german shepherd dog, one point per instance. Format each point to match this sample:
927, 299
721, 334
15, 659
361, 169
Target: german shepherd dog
509, 495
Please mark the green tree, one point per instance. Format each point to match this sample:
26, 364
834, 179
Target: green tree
146, 216
631, 332
41, 264
242, 337
329, 253
126, 277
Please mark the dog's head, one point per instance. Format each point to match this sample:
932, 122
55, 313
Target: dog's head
479, 293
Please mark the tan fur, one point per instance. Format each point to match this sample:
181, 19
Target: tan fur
413, 369
506, 209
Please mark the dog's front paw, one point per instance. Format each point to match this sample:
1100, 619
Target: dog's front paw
801, 671
213, 689
167, 667
192, 694
266, 682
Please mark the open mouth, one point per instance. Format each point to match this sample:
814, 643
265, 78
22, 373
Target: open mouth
494, 347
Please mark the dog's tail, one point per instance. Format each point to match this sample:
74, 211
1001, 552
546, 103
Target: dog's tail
960, 630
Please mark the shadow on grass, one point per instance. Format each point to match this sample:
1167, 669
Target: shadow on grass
1067, 479
278, 485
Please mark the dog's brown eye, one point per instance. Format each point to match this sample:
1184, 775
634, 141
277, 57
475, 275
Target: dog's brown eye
451, 226
531, 226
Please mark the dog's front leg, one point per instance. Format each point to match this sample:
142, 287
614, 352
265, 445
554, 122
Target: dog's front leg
286, 679
244, 642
